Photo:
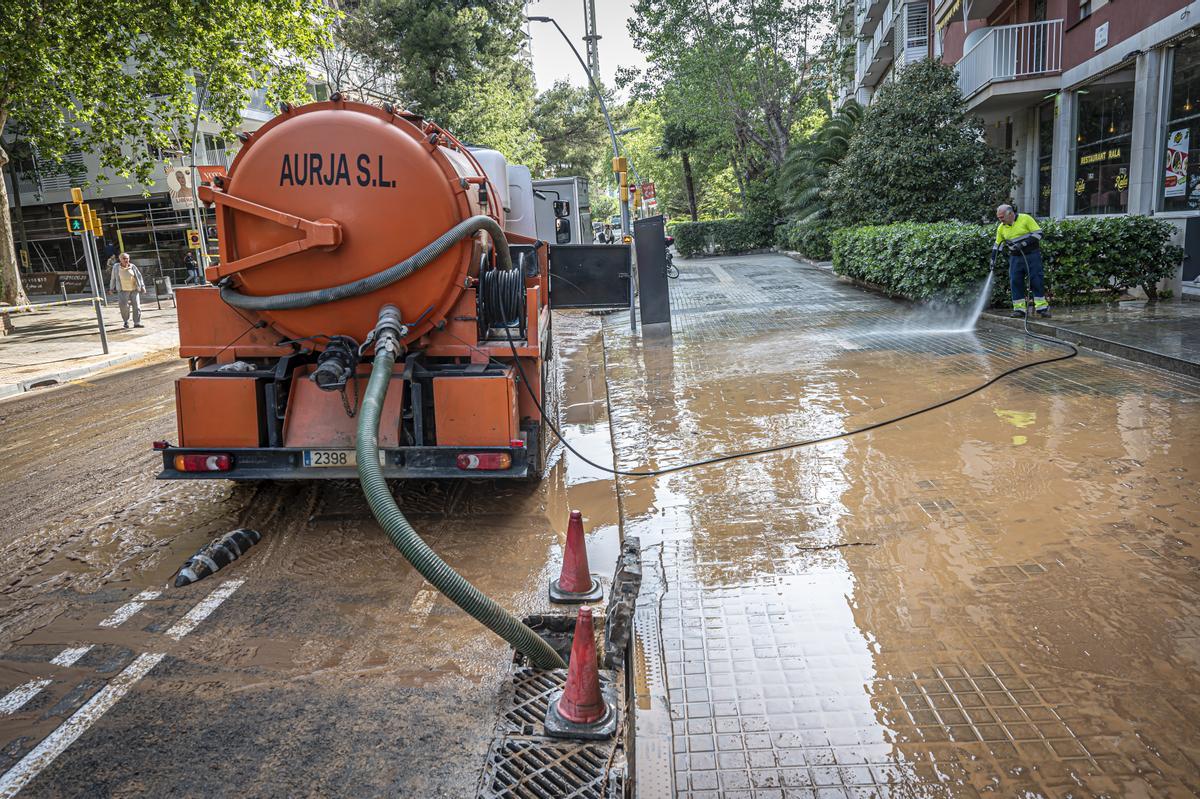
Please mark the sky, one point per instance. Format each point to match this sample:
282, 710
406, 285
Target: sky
552, 58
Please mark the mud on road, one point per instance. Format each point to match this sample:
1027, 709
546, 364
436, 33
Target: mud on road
331, 668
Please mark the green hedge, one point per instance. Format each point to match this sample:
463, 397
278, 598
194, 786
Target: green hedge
718, 237
810, 239
1086, 260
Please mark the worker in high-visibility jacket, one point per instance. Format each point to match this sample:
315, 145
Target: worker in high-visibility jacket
1021, 236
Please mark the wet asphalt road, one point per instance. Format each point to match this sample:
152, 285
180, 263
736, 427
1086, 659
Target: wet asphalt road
329, 668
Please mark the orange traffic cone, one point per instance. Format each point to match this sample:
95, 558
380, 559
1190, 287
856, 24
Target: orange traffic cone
575, 583
582, 710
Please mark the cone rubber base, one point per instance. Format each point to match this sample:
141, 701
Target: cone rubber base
602, 729
561, 597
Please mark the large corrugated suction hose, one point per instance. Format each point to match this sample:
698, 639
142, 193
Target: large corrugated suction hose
425, 256
401, 533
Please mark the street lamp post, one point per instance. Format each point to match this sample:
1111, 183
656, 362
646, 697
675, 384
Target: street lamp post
197, 214
625, 227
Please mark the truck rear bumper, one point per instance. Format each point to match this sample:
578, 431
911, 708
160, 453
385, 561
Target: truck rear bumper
281, 463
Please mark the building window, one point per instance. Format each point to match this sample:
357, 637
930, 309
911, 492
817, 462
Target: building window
1180, 183
1103, 131
1045, 156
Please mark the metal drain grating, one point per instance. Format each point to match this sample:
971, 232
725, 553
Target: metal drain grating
539, 769
531, 690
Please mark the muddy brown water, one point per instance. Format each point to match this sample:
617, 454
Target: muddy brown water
334, 654
997, 598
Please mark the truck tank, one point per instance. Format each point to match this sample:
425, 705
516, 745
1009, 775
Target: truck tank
330, 213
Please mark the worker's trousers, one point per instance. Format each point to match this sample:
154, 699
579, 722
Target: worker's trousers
130, 301
1018, 266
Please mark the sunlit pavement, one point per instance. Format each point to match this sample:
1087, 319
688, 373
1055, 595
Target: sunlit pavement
995, 598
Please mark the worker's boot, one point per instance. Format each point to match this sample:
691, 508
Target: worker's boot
1044, 313
1017, 313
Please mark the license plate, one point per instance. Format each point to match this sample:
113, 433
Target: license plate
335, 458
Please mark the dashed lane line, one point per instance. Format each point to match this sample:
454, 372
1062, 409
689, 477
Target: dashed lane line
203, 609
68, 657
15, 699
69, 731
54, 744
126, 611
18, 697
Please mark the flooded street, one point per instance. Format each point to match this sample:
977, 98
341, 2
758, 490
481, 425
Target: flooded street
994, 598
326, 665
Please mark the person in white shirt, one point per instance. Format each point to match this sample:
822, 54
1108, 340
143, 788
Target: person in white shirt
126, 280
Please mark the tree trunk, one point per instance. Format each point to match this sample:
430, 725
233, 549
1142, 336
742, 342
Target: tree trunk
11, 290
689, 187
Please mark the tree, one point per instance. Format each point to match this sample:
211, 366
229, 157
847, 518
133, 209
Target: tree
677, 139
568, 122
457, 63
749, 65
916, 156
805, 171
118, 78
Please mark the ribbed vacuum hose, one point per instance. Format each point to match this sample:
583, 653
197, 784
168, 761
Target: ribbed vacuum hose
418, 553
425, 256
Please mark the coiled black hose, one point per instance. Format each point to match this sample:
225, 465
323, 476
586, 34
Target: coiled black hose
426, 255
502, 297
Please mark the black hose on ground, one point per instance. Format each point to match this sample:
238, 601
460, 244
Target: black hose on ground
425, 256
794, 444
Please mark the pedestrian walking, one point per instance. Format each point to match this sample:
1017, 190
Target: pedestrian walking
1021, 235
126, 280
193, 271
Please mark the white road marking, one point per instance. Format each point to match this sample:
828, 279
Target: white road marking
15, 699
68, 657
126, 611
203, 609
69, 731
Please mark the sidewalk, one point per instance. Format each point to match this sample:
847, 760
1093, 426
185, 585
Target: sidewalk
63, 343
1163, 334
992, 598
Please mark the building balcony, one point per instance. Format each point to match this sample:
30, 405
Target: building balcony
877, 53
1008, 60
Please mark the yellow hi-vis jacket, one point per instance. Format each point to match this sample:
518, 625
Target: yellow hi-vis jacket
1023, 234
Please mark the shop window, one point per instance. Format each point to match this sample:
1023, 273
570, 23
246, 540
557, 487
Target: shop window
1179, 186
1045, 156
1103, 132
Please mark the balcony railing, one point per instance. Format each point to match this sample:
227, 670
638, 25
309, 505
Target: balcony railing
1011, 52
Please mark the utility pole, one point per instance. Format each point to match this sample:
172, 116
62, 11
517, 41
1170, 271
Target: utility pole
592, 38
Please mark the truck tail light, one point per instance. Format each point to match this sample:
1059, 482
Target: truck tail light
203, 463
484, 461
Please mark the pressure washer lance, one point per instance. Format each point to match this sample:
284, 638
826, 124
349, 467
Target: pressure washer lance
216, 555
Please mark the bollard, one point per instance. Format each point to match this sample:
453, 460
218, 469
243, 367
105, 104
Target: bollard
62, 284
100, 324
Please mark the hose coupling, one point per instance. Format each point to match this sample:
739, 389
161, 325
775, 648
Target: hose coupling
389, 332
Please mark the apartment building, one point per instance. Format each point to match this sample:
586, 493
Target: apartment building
1099, 100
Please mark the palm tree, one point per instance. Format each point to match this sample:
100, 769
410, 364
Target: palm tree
677, 139
807, 165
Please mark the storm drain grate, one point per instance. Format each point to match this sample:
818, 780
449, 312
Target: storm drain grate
531, 690
539, 769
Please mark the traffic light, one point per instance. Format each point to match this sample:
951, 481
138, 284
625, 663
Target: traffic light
620, 164
75, 222
94, 222
637, 197
77, 196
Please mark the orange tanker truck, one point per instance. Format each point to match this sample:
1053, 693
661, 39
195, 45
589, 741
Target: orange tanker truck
352, 235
